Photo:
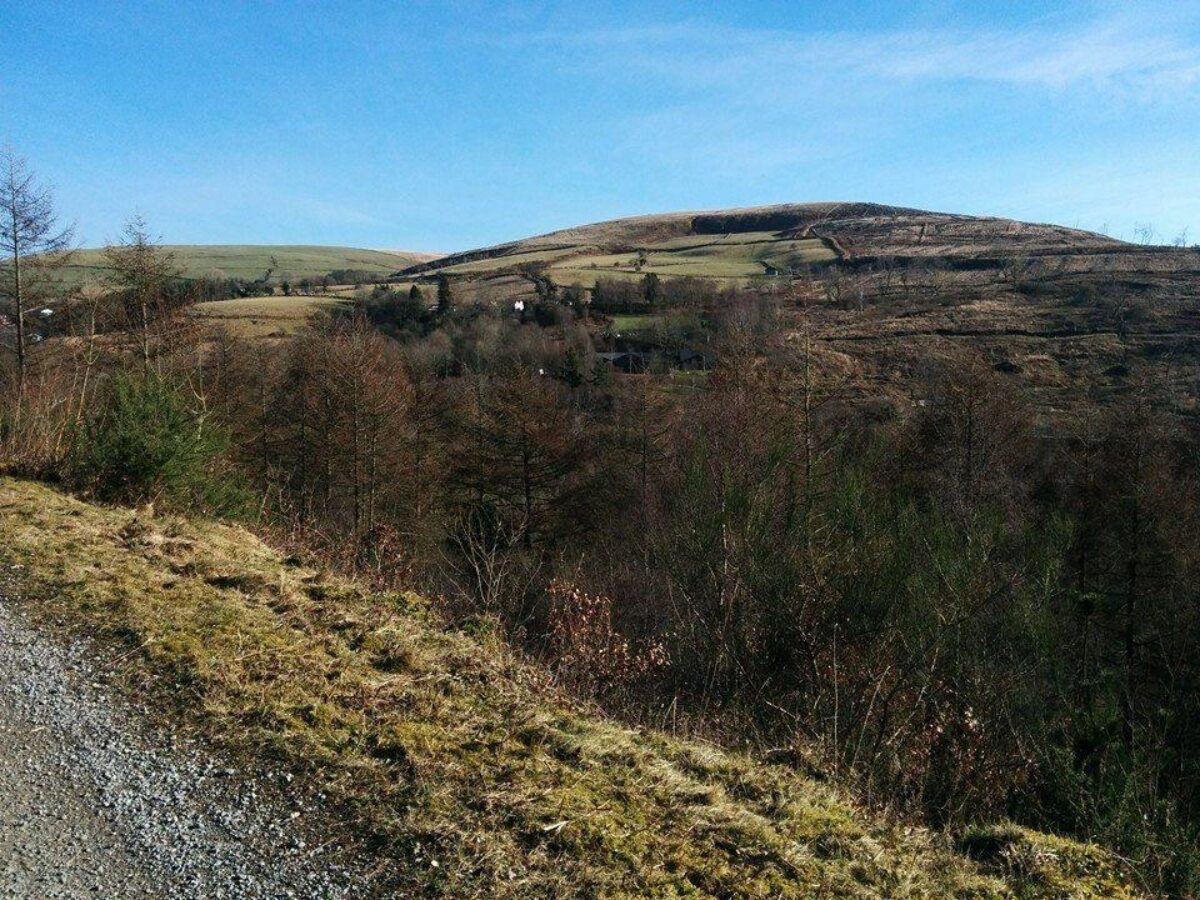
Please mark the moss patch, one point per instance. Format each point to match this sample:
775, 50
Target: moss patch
1039, 865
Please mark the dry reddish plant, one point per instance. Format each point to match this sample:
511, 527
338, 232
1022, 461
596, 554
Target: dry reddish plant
590, 654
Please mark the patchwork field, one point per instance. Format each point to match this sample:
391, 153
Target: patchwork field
510, 260
735, 260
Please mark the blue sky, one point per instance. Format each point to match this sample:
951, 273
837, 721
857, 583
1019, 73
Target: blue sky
446, 125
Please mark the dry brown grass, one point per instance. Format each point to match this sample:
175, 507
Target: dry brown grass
256, 317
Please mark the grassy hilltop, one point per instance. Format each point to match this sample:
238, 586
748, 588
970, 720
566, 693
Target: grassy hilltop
467, 769
252, 260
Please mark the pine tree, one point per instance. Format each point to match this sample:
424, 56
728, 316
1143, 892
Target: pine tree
651, 290
572, 368
445, 296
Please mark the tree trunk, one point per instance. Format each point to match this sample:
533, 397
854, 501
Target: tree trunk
145, 311
19, 316
526, 537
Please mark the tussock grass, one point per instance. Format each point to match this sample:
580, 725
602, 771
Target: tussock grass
471, 774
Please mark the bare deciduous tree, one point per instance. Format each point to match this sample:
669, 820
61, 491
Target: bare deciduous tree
141, 272
33, 247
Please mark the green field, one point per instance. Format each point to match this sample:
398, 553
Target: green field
622, 322
627, 251
509, 259
722, 240
252, 261
753, 255
258, 317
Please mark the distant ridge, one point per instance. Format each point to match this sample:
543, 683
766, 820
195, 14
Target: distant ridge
87, 266
798, 219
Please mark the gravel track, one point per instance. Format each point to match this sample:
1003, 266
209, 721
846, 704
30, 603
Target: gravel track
96, 802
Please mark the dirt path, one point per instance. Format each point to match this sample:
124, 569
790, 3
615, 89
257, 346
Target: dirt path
95, 803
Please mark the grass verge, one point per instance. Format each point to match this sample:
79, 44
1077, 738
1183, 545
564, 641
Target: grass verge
471, 774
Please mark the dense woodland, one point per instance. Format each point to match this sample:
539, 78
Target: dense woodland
966, 614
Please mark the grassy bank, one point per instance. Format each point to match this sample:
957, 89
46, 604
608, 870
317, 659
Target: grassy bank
474, 777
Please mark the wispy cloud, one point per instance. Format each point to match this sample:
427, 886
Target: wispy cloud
1101, 55
1130, 49
333, 213
753, 102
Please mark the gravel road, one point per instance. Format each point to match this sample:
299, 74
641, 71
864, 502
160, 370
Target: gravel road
97, 802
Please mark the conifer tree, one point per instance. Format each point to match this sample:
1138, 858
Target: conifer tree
445, 296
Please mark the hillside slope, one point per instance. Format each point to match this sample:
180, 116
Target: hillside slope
87, 266
472, 776
859, 228
887, 292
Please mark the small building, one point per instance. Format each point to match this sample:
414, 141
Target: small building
697, 360
629, 362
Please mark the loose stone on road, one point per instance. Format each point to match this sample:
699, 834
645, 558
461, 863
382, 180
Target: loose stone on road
95, 802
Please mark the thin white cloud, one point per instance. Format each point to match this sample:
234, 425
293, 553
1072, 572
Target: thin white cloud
756, 102
1131, 50
332, 213
1104, 55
